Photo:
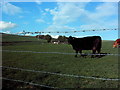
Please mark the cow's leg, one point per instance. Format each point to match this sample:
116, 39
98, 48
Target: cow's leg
93, 52
80, 51
76, 53
98, 50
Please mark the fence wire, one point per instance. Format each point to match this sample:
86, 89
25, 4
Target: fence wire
59, 74
30, 83
75, 31
109, 54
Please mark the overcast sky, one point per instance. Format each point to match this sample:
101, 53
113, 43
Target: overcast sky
60, 16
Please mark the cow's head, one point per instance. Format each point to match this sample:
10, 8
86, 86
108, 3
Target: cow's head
115, 44
70, 39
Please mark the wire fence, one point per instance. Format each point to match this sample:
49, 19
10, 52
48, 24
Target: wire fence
73, 31
109, 54
60, 74
30, 83
53, 73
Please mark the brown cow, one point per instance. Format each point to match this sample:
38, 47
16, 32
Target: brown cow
86, 43
116, 44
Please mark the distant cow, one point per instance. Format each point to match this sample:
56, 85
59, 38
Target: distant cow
86, 43
116, 43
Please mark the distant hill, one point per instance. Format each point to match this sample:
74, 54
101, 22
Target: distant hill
11, 37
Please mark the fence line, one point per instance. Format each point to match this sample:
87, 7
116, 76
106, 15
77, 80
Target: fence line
34, 84
109, 54
59, 74
105, 29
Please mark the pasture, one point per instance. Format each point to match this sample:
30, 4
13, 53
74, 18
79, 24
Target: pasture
104, 67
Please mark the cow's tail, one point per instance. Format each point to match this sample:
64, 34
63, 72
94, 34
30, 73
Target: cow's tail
99, 44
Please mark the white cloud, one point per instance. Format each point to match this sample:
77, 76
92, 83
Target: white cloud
103, 15
62, 0
27, 34
25, 22
44, 14
55, 36
6, 25
61, 28
10, 9
109, 0
100, 25
91, 26
104, 10
67, 12
21, 16
47, 9
38, 2
40, 20
8, 32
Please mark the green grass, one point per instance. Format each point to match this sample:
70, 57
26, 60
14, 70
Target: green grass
8, 37
105, 67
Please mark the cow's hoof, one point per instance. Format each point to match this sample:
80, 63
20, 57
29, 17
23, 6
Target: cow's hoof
75, 55
99, 57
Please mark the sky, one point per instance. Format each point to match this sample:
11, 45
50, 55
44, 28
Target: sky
60, 16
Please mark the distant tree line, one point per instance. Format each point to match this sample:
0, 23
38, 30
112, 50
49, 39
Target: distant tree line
60, 39
46, 37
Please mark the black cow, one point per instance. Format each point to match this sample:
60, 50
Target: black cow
86, 43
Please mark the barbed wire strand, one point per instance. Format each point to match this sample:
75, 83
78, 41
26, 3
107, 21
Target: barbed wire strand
59, 74
75, 31
30, 83
110, 54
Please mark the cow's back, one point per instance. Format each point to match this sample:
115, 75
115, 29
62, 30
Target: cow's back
87, 43
118, 40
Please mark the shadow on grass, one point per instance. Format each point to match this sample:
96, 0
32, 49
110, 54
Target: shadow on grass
85, 55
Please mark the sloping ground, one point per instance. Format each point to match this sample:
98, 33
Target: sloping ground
8, 39
104, 67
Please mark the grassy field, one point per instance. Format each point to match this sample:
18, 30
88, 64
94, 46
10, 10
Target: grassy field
104, 67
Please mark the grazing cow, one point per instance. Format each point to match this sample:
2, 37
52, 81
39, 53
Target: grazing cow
116, 43
86, 43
